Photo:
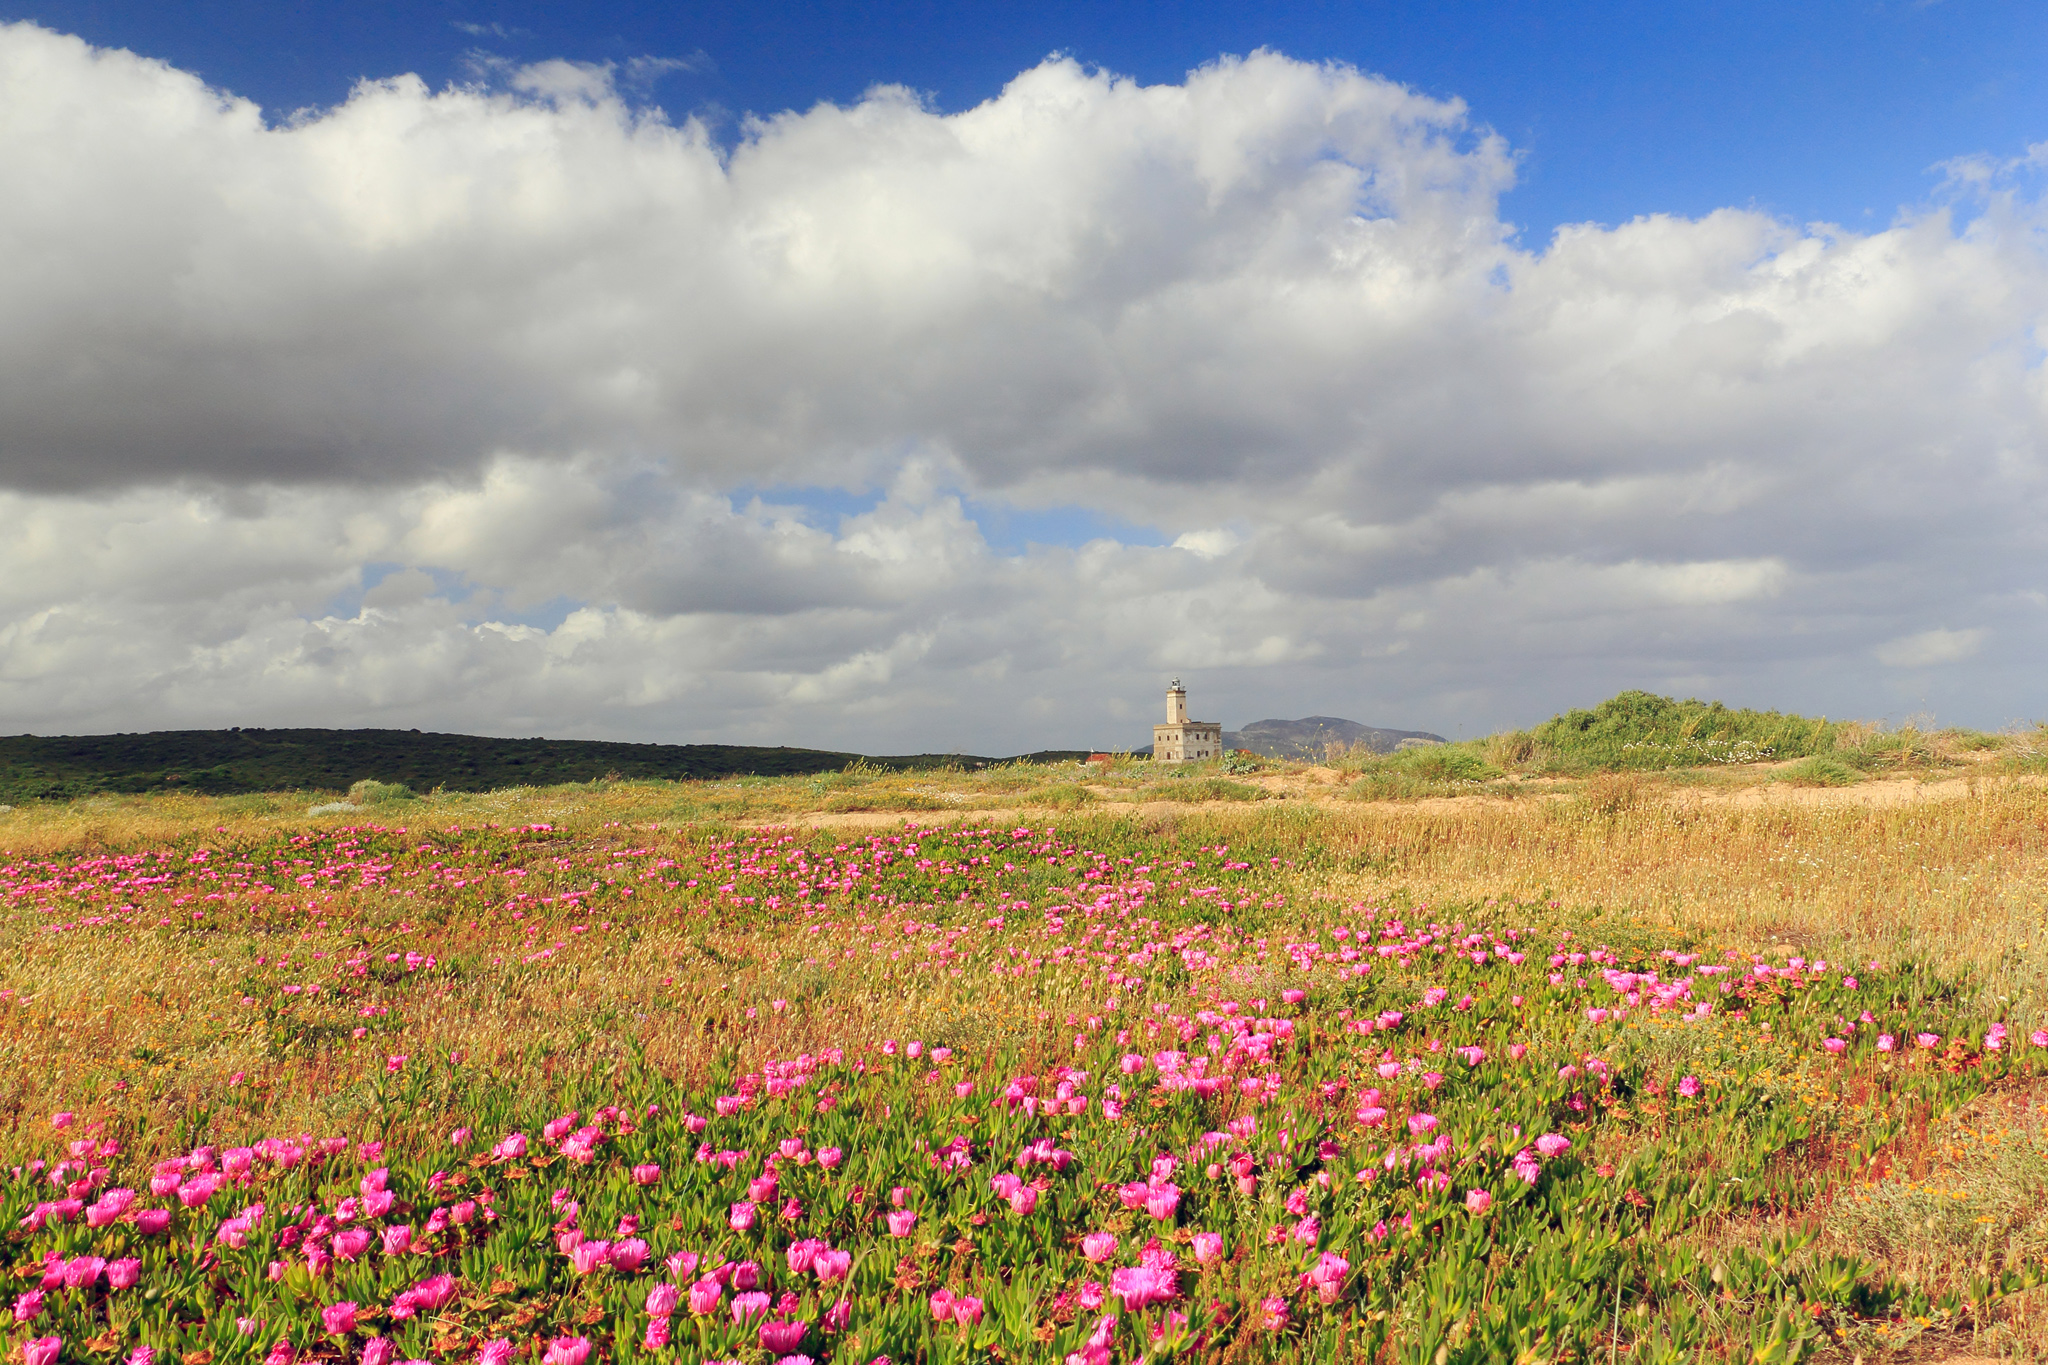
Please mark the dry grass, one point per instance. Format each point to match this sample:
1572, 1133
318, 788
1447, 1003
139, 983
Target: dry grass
1962, 881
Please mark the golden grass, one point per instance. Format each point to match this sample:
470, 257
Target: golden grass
1960, 878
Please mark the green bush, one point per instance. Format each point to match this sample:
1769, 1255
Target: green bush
1640, 730
1818, 772
1431, 770
1204, 789
369, 792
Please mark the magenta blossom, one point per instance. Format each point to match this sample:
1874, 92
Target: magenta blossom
782, 1336
567, 1351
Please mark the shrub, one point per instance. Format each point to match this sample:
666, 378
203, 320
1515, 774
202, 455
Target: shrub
1640, 730
1818, 772
1062, 796
882, 799
1434, 770
1212, 789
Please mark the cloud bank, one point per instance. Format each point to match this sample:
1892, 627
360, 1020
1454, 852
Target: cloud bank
522, 408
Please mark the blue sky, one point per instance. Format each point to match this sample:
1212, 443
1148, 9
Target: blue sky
1823, 109
1698, 353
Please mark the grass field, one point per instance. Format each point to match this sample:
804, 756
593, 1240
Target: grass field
1034, 1063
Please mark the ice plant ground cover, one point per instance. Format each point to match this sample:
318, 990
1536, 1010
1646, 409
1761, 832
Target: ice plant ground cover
494, 1090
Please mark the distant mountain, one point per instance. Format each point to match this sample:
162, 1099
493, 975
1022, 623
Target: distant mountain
1314, 736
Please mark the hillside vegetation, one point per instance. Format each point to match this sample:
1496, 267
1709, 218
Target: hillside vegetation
1639, 732
230, 762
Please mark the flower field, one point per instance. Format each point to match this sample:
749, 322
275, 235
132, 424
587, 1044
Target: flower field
494, 1092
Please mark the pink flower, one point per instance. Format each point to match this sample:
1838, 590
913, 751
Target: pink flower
153, 1222
628, 1256
830, 1157
350, 1243
1478, 1201
1273, 1313
646, 1175
587, 1257
1099, 1246
967, 1310
657, 1334
832, 1265
124, 1273
941, 1304
1553, 1144
62, 1118
662, 1300
900, 1222
750, 1305
1326, 1276
741, 1218
1023, 1199
281, 1353
28, 1305
1419, 1124
339, 1319
1526, 1167
2039, 1037
42, 1350
782, 1336
397, 1239
497, 1352
378, 1351
1371, 1115
1142, 1286
567, 1351
510, 1148
704, 1296
1927, 1039
435, 1292
1690, 1087
83, 1271
1833, 1044
1885, 1042
1208, 1247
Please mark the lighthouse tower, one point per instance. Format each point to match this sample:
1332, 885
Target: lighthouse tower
1181, 740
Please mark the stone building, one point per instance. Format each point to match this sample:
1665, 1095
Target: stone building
1181, 740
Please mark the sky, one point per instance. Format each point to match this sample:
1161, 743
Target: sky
923, 377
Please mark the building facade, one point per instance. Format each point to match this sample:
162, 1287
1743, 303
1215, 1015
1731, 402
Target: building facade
1181, 740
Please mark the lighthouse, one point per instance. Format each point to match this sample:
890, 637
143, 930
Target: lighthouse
1181, 740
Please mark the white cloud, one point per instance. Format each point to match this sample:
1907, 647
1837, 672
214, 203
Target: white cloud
1931, 647
1208, 543
543, 362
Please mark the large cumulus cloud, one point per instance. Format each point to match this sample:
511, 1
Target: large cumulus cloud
491, 408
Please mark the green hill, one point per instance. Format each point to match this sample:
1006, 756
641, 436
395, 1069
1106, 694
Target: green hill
225, 762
